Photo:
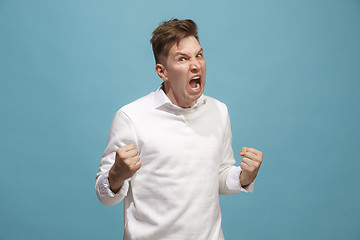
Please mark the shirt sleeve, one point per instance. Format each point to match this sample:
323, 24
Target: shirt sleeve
229, 174
233, 181
104, 193
122, 132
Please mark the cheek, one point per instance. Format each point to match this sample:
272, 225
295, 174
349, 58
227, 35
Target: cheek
181, 74
204, 66
177, 71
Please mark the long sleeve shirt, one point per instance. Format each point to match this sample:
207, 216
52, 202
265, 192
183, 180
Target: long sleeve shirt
187, 161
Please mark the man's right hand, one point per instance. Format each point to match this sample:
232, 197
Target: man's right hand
127, 162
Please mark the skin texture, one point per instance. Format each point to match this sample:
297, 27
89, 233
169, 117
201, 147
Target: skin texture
250, 165
127, 162
184, 61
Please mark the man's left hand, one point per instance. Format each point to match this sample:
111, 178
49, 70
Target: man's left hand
250, 165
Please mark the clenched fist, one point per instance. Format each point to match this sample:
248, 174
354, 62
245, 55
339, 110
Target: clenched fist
127, 162
250, 165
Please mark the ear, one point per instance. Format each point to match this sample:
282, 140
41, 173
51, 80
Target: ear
161, 71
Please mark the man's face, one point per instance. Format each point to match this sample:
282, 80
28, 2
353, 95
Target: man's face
184, 72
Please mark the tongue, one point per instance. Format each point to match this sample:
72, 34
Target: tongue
193, 84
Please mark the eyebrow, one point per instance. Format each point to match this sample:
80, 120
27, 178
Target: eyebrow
181, 53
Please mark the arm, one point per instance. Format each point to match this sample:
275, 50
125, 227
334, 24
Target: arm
125, 166
110, 188
228, 173
238, 179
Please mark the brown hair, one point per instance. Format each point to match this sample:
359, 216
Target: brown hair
171, 31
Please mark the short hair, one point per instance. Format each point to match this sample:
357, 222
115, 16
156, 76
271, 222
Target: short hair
170, 31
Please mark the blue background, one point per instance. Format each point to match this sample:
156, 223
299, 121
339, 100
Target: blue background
288, 70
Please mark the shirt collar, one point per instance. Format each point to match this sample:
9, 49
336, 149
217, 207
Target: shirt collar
161, 99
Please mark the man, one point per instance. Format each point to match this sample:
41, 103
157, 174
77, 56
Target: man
169, 153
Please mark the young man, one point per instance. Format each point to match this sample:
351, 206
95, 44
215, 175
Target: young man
169, 153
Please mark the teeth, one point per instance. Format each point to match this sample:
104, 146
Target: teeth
197, 86
197, 79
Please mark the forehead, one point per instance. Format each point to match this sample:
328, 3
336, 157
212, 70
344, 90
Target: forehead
188, 45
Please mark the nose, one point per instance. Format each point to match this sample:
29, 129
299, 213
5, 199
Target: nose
195, 66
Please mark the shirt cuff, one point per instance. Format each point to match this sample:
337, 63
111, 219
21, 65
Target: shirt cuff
233, 181
104, 187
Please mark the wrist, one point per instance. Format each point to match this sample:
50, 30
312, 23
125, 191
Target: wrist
115, 181
245, 180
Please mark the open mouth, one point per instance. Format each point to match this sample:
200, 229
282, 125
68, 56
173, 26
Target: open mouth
195, 84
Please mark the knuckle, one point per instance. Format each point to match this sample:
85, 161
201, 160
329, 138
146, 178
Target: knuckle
244, 167
133, 168
127, 163
253, 150
118, 151
122, 155
134, 153
124, 163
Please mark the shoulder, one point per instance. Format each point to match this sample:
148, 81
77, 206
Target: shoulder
212, 102
145, 102
140, 105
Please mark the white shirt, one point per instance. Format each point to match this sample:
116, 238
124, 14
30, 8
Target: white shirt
187, 160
